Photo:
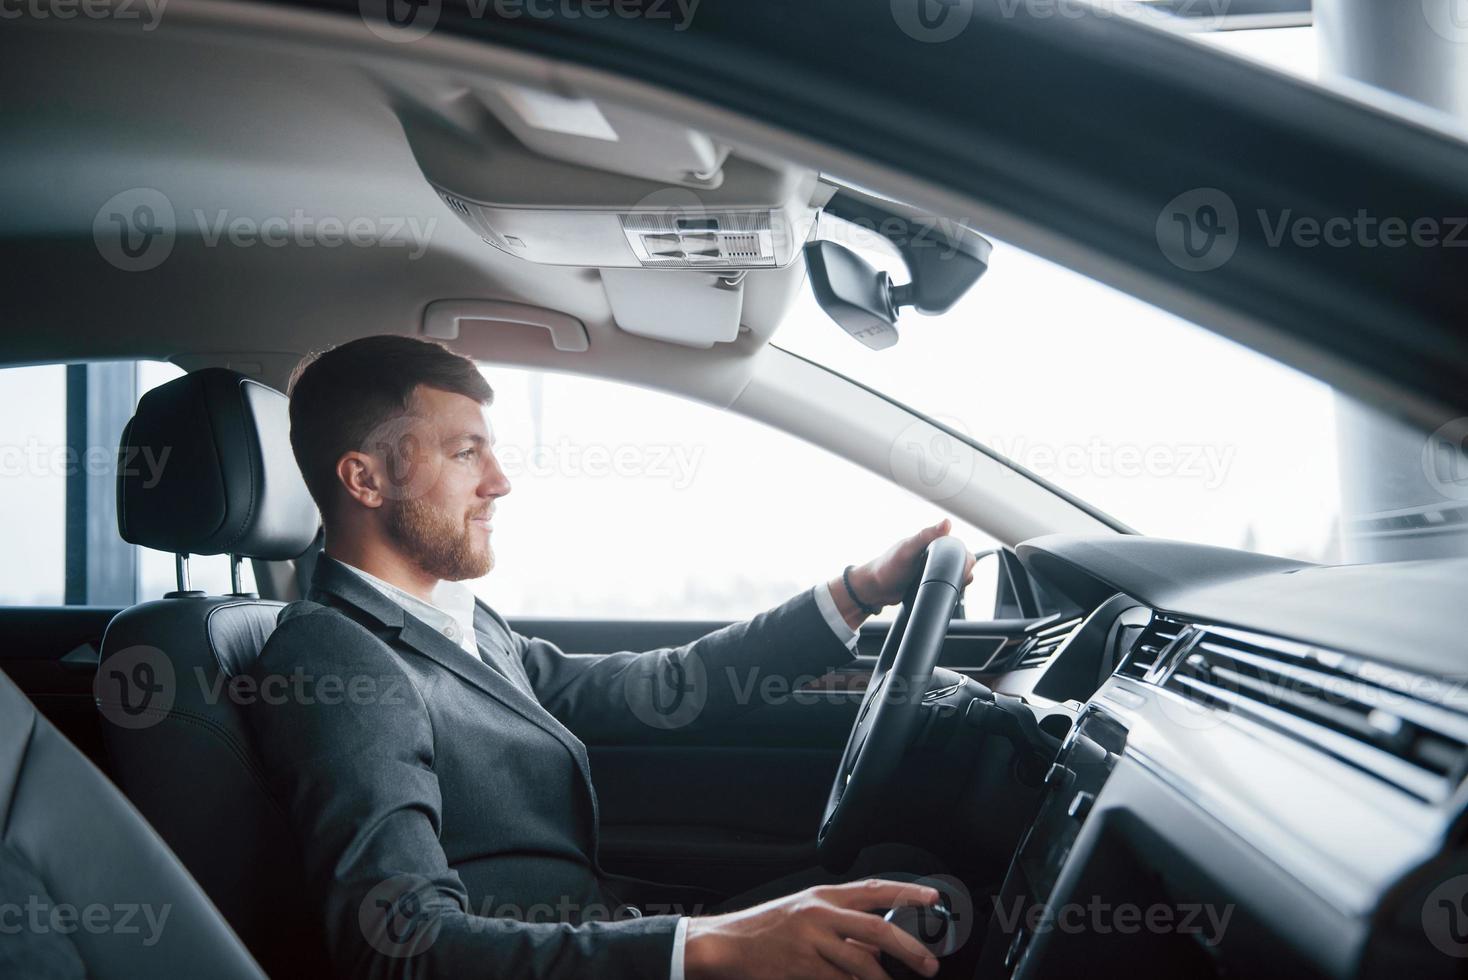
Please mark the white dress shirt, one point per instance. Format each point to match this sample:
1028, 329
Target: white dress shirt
452, 613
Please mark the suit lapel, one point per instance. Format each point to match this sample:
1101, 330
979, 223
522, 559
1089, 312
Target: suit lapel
334, 584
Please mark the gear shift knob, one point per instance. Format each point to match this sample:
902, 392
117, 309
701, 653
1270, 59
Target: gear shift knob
931, 925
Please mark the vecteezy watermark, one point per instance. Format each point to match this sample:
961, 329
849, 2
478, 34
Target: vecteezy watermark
931, 460
396, 916
905, 232
675, 464
1445, 917
408, 447
1448, 19
137, 687
309, 231
136, 230
1200, 15
145, 12
667, 691
38, 915
1199, 230
1202, 463
401, 916
1445, 459
932, 21
412, 20
1362, 230
34, 458
1205, 921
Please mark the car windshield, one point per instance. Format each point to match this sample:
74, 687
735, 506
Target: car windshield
1167, 427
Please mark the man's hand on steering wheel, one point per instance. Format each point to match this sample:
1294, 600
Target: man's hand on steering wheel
883, 580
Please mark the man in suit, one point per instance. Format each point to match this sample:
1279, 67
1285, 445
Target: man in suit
444, 808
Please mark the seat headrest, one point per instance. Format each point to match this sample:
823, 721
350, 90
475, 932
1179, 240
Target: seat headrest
220, 477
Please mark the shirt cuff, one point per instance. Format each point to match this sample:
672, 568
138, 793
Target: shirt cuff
826, 603
680, 939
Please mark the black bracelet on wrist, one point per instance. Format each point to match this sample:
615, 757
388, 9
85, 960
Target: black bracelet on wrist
864, 607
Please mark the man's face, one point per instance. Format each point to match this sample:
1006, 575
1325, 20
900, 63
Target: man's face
446, 479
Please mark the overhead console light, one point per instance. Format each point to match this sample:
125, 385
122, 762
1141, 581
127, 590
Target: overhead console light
669, 239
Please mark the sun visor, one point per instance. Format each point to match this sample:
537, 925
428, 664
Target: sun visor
679, 307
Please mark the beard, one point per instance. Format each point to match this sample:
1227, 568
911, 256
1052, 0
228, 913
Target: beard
436, 542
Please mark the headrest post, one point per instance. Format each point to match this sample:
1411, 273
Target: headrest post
234, 575
181, 570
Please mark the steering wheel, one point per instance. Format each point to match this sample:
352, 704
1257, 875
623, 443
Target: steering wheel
890, 709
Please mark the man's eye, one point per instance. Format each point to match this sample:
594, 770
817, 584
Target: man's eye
466, 454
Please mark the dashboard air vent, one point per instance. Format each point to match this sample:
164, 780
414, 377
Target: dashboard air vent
1044, 641
1150, 646
1406, 729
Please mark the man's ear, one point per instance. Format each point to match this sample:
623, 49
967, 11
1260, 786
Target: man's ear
361, 476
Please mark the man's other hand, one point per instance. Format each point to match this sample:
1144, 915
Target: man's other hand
824, 933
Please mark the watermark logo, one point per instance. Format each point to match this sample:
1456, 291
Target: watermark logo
135, 230
147, 12
1445, 459
930, 461
411, 20
1206, 922
1199, 229
38, 916
932, 21
1194, 714
400, 21
1448, 19
946, 938
393, 916
135, 688
407, 445
1445, 917
666, 691
1205, 464
675, 464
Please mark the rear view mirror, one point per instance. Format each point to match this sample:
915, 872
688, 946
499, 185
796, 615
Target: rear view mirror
943, 258
853, 293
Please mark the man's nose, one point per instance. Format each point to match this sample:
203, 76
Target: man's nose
495, 483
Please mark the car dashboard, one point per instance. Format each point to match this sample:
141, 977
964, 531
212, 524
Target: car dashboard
1265, 771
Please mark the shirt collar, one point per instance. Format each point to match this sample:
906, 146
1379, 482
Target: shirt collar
453, 602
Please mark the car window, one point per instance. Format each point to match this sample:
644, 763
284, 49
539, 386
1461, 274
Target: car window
1163, 425
632, 504
59, 430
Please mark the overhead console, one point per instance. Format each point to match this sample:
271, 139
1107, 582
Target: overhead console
578, 183
678, 224
674, 220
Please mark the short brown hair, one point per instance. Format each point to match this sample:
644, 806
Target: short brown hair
341, 394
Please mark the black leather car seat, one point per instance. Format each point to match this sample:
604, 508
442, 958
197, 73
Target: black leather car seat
87, 888
172, 722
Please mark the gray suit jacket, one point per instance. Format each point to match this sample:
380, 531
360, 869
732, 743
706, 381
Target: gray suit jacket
447, 821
